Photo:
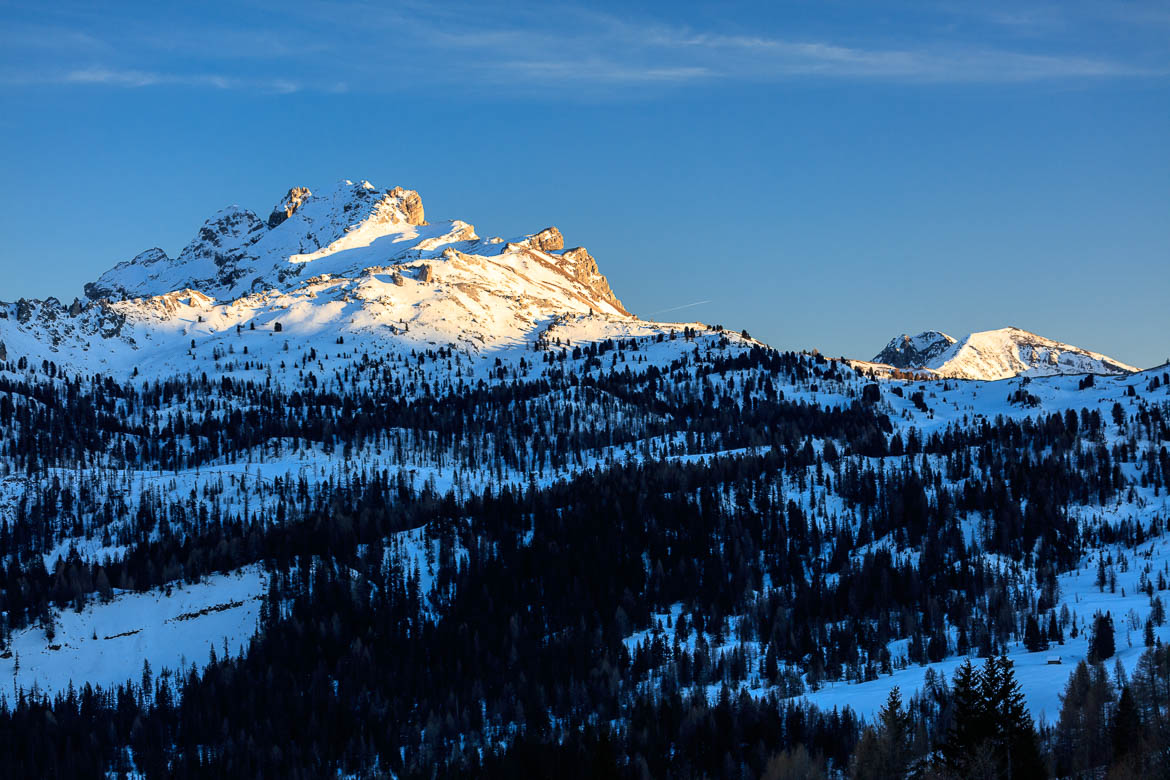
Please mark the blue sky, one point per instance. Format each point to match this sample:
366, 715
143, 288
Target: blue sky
824, 174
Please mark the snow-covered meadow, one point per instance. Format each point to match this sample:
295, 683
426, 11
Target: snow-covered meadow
107, 644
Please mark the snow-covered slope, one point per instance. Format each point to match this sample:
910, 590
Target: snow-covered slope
106, 642
994, 354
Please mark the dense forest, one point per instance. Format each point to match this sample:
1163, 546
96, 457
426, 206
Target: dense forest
635, 569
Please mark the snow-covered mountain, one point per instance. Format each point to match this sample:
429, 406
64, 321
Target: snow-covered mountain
362, 266
994, 354
354, 263
340, 233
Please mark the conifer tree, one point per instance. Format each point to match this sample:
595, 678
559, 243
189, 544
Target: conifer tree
884, 750
1101, 644
968, 721
1127, 724
895, 734
1013, 735
1071, 740
1033, 639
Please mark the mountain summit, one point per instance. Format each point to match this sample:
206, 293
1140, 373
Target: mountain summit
346, 230
908, 351
235, 252
995, 354
352, 263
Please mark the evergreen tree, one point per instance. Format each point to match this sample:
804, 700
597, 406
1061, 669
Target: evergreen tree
1054, 632
968, 730
1127, 725
1071, 744
1013, 740
1034, 641
1101, 644
884, 751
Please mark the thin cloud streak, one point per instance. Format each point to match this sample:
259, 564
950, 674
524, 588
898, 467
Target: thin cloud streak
567, 46
678, 308
783, 58
138, 79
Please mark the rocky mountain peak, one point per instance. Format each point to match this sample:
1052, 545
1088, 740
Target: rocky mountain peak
582, 267
548, 240
408, 203
105, 289
359, 244
220, 249
235, 251
288, 204
227, 226
906, 351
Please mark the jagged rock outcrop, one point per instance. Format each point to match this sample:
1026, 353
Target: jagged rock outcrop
409, 204
58, 329
582, 267
288, 205
906, 351
110, 322
223, 241
547, 240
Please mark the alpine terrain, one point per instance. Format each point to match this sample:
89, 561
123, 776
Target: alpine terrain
994, 354
341, 491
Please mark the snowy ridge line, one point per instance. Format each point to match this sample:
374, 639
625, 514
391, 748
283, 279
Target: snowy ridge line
991, 355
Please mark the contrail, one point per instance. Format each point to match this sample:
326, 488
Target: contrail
676, 308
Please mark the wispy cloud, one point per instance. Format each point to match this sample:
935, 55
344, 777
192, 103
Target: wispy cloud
362, 47
597, 71
763, 57
582, 46
136, 79
1067, 16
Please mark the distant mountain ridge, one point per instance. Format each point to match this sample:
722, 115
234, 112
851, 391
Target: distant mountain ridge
993, 355
360, 265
